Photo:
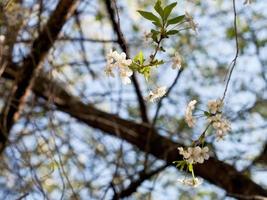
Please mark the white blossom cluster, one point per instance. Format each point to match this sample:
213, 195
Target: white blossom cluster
215, 106
194, 155
192, 182
114, 59
220, 124
156, 94
215, 118
190, 120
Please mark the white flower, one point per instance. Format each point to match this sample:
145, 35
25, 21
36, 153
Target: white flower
222, 127
204, 155
220, 124
122, 61
114, 59
111, 61
215, 106
191, 22
156, 94
125, 74
194, 154
177, 61
192, 182
190, 120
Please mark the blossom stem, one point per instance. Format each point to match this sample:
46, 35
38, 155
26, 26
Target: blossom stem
193, 174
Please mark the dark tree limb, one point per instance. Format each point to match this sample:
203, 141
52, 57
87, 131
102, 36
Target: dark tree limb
213, 170
31, 65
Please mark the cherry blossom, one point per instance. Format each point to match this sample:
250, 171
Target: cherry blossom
192, 182
156, 94
215, 106
190, 120
194, 154
220, 124
114, 59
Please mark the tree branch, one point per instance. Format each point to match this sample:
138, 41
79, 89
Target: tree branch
31, 65
163, 148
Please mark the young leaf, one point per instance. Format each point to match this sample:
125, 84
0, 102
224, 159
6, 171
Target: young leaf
172, 32
149, 15
154, 31
182, 166
168, 9
175, 20
141, 57
159, 9
157, 24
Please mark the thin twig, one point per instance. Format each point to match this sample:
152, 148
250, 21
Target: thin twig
233, 63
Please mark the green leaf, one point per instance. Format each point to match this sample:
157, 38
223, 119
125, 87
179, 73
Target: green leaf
168, 9
159, 9
141, 57
182, 166
133, 66
138, 59
155, 38
172, 32
157, 24
156, 63
175, 20
153, 31
146, 72
149, 15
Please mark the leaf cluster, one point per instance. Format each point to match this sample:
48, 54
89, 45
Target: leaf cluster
140, 66
162, 20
